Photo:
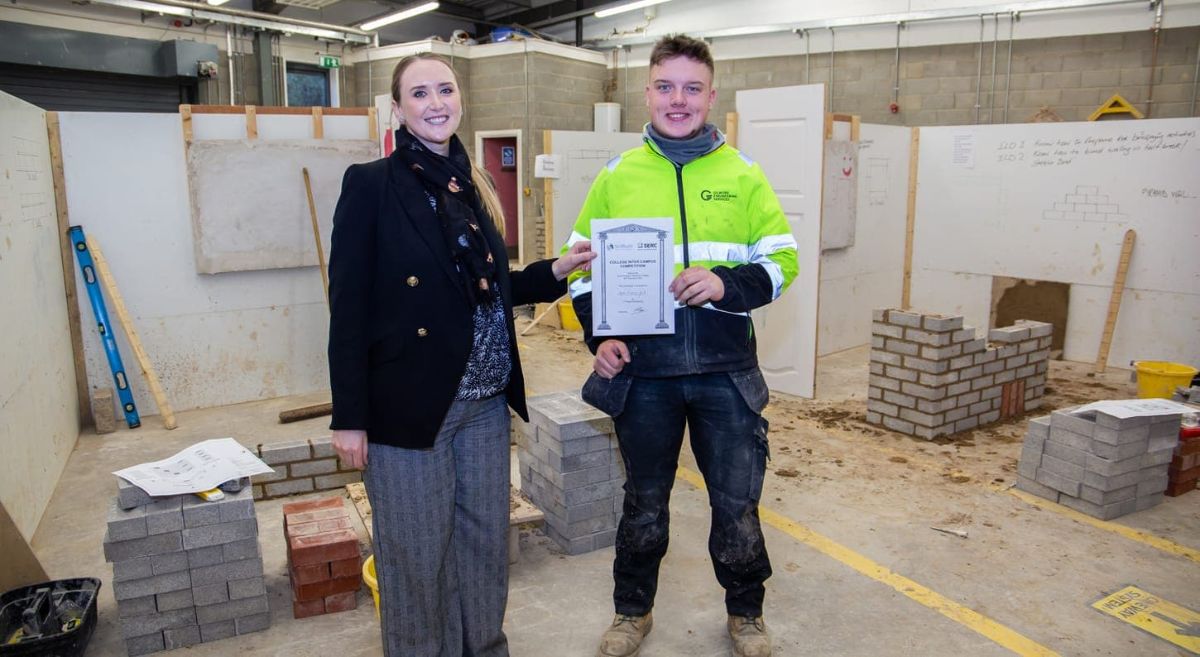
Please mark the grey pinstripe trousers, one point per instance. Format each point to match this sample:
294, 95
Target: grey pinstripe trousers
440, 521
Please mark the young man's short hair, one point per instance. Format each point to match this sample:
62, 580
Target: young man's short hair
681, 45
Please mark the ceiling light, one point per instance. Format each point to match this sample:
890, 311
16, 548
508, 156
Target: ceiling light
398, 16
217, 3
620, 9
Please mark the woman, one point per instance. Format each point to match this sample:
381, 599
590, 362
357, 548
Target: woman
422, 360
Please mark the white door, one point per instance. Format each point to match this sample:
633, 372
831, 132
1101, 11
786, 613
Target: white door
783, 130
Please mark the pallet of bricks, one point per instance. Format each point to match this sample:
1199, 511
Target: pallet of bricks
1097, 463
185, 571
324, 563
1185, 467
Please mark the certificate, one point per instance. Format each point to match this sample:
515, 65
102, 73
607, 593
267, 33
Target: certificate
634, 267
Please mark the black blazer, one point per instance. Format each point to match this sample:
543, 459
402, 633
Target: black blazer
400, 327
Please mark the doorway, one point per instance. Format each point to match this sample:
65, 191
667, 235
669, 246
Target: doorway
499, 151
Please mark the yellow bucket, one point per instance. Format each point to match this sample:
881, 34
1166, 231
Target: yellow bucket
566, 314
1158, 379
372, 581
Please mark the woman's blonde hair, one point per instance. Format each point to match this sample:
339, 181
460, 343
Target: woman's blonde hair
483, 180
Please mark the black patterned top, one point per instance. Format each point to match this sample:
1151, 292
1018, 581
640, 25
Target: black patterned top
490, 362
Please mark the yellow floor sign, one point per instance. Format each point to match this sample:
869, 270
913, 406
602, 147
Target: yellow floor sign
1146, 611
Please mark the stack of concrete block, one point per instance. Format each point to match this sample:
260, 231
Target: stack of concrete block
185, 571
931, 376
324, 564
572, 470
1184, 471
301, 466
1096, 463
1190, 395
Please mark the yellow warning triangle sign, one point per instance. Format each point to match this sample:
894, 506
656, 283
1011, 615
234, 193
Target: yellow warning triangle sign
1115, 105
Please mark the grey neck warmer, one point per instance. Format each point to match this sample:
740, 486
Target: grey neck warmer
682, 151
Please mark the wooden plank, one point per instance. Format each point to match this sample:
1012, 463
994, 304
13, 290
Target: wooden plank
185, 113
316, 228
520, 510
143, 359
241, 109
1114, 301
305, 412
910, 217
358, 495
548, 200
731, 128
373, 124
251, 122
318, 123
20, 566
855, 127
67, 255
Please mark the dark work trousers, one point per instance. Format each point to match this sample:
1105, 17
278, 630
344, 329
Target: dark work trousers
728, 438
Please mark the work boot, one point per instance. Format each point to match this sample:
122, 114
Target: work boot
624, 636
750, 638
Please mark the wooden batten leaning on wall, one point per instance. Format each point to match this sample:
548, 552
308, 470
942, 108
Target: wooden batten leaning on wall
253, 111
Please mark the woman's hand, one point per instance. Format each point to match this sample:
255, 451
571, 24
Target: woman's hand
579, 257
611, 357
351, 447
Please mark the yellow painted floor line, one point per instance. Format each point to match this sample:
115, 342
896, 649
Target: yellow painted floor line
1158, 542
1132, 534
973, 620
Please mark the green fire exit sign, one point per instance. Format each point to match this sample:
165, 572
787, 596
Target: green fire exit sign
329, 61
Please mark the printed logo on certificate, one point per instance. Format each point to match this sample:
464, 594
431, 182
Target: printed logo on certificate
630, 276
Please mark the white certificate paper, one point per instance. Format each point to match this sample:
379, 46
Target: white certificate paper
201, 467
630, 277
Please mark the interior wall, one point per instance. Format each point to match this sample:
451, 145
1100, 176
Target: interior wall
868, 274
506, 183
213, 339
38, 403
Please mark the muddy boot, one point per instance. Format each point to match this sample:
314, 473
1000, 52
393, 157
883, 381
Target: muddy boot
624, 636
750, 638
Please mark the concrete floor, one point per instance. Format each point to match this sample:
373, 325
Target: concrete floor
848, 509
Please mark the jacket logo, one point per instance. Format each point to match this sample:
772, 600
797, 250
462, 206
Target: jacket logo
709, 195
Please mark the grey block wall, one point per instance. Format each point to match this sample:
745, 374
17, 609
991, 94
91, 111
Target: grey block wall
1096, 463
572, 470
931, 376
1072, 75
186, 571
301, 466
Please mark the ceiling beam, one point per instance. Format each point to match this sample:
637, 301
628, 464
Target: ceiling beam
554, 13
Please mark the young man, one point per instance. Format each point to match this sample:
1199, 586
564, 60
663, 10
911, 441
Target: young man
734, 253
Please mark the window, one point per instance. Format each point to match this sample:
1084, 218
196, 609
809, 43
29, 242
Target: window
307, 86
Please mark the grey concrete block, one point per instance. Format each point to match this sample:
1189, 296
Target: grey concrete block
975, 347
205, 556
898, 425
125, 525
941, 324
1161, 440
1030, 461
258, 492
142, 547
966, 424
130, 496
1005, 376
935, 407
901, 373
285, 452
1100, 482
246, 548
1117, 452
137, 588
231, 610
1101, 511
963, 334
1067, 453
144, 645
278, 473
874, 418
927, 337
1038, 427
591, 493
983, 382
225, 532
217, 631
1157, 458
899, 399
993, 367
1036, 329
1115, 437
902, 347
1153, 485
929, 366
291, 487
1084, 423
198, 512
1099, 497
991, 393
164, 515
152, 623
904, 318
139, 568
887, 330
255, 623
327, 482
1057, 481
174, 600
989, 417
181, 637
879, 314
171, 562
883, 383
247, 588
226, 572
1034, 488
312, 468
238, 506
941, 353
888, 358
954, 415
322, 447
565, 416
1121, 424
210, 594
958, 388
924, 392
960, 362
1008, 334
142, 606
1107, 468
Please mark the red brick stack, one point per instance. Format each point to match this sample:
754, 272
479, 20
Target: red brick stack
1185, 466
323, 559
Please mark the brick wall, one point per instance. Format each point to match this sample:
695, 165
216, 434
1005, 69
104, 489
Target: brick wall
931, 376
1072, 75
301, 466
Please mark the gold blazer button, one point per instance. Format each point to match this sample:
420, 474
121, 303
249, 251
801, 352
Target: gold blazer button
413, 281
421, 332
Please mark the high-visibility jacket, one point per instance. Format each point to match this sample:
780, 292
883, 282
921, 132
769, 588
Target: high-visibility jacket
728, 220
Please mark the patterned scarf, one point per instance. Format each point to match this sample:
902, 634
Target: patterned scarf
451, 190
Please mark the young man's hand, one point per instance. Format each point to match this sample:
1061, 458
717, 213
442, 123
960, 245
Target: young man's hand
611, 357
696, 286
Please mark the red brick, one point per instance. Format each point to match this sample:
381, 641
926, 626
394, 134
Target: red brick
1188, 446
317, 572
319, 548
306, 528
313, 516
325, 589
341, 602
312, 505
306, 608
346, 568
1177, 488
1178, 474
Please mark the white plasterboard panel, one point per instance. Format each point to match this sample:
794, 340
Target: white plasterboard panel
954, 293
347, 127
1150, 326
583, 155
